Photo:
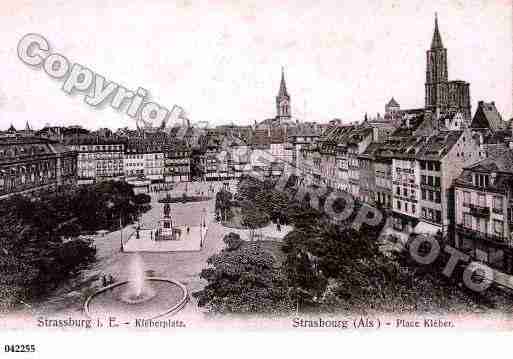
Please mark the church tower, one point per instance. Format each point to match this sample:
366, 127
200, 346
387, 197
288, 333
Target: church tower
436, 74
283, 100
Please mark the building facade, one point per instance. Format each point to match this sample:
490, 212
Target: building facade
32, 164
99, 158
484, 211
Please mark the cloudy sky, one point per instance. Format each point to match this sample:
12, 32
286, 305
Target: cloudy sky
221, 60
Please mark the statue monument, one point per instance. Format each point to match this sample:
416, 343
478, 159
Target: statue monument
165, 230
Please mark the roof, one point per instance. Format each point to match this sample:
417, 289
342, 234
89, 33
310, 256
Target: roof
392, 103
433, 147
499, 162
19, 148
371, 151
304, 130
83, 139
436, 43
438, 146
499, 166
283, 86
409, 122
487, 116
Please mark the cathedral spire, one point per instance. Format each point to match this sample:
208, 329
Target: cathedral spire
283, 99
436, 43
283, 86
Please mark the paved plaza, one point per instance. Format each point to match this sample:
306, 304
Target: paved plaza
191, 240
184, 266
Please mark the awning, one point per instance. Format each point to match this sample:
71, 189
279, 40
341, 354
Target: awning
426, 228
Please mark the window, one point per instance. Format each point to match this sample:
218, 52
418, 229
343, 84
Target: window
483, 225
481, 200
481, 180
466, 197
438, 198
437, 181
423, 179
437, 166
467, 220
398, 191
424, 194
406, 206
399, 205
430, 180
413, 208
405, 192
438, 216
424, 212
430, 166
422, 165
431, 196
498, 227
497, 204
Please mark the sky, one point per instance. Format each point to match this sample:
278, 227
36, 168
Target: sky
221, 60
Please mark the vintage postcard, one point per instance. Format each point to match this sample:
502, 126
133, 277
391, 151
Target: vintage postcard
178, 166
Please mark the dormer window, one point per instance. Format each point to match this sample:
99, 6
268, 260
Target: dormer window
481, 180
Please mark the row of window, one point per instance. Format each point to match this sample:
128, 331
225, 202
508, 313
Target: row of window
433, 196
480, 180
432, 215
429, 165
408, 207
483, 225
412, 192
430, 180
102, 148
404, 170
497, 201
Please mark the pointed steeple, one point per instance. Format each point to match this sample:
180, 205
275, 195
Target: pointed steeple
27, 127
11, 129
436, 43
283, 87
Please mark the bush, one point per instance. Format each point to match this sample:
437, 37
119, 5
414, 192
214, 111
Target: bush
142, 198
244, 280
233, 241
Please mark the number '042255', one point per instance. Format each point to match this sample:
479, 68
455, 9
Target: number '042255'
19, 348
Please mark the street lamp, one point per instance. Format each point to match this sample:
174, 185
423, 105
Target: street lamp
120, 235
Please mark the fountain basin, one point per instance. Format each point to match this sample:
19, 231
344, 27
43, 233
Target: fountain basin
168, 297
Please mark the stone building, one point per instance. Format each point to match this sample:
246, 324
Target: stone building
484, 211
177, 162
99, 158
32, 164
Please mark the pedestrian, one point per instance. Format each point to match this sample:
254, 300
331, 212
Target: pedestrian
104, 281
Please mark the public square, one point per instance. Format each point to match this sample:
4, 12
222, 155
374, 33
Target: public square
183, 266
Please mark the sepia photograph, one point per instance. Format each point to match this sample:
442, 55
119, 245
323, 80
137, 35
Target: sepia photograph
335, 167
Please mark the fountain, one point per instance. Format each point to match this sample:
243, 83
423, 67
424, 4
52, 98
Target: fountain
138, 297
138, 289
